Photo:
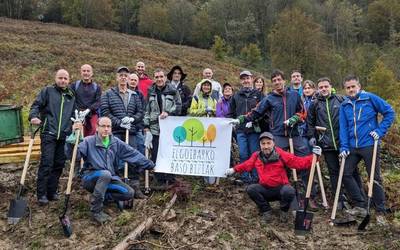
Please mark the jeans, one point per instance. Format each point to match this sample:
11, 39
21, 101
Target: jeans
100, 183
353, 184
248, 144
139, 139
52, 162
262, 195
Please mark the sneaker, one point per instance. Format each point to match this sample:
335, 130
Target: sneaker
266, 216
101, 217
284, 216
357, 211
42, 200
381, 220
53, 197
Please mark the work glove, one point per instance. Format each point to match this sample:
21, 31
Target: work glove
83, 114
234, 122
125, 125
229, 171
77, 117
292, 121
317, 150
128, 119
344, 154
148, 138
249, 125
374, 135
312, 142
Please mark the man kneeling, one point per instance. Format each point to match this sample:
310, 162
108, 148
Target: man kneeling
101, 153
273, 183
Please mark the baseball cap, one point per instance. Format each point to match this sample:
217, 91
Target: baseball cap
245, 73
123, 68
266, 135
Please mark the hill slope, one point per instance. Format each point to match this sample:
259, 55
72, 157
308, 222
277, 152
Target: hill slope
30, 52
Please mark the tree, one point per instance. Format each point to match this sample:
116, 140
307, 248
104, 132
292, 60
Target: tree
382, 82
299, 45
153, 20
211, 133
180, 14
126, 15
194, 130
251, 54
219, 48
201, 33
179, 134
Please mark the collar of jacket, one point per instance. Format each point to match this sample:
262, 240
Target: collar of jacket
362, 95
66, 91
246, 90
99, 141
272, 157
285, 92
167, 90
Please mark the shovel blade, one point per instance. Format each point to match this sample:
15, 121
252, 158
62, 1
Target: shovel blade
66, 225
302, 223
16, 210
364, 223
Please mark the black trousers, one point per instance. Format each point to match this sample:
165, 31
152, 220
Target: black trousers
52, 162
160, 177
262, 195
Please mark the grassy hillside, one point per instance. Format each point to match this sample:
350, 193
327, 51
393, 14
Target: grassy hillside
30, 53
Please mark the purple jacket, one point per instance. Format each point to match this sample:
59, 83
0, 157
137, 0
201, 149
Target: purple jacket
223, 107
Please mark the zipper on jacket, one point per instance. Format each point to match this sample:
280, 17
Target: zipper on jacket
61, 114
44, 124
330, 123
359, 114
284, 111
355, 123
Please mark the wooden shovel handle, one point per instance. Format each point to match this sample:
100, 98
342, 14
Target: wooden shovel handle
321, 184
373, 165
311, 176
291, 148
26, 164
126, 164
72, 167
146, 172
338, 187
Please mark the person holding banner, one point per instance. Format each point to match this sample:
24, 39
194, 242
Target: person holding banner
273, 185
163, 100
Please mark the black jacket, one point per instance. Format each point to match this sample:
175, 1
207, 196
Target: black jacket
325, 113
113, 107
242, 103
55, 107
186, 97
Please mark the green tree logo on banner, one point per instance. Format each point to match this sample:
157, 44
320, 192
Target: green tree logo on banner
193, 130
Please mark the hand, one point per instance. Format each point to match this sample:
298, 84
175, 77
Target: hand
234, 122
209, 110
375, 135
344, 154
312, 142
317, 150
292, 121
128, 119
148, 138
229, 171
36, 121
77, 125
125, 125
249, 125
163, 115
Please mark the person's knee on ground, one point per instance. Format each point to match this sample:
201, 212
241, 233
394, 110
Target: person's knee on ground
287, 193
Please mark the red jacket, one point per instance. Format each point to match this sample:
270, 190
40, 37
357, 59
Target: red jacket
144, 84
273, 174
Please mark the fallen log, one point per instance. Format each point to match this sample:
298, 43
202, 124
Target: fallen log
143, 227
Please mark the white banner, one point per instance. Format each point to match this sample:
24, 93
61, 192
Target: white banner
194, 146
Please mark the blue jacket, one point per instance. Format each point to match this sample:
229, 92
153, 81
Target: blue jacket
279, 108
97, 157
359, 117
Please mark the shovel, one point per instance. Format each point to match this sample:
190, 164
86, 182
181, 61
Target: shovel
303, 221
340, 222
366, 219
64, 219
18, 205
294, 173
128, 204
147, 189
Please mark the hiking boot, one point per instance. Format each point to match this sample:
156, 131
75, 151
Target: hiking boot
101, 217
53, 197
284, 216
138, 193
357, 211
266, 216
381, 220
42, 200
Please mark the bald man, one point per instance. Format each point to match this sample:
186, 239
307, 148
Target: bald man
88, 95
216, 86
52, 109
145, 81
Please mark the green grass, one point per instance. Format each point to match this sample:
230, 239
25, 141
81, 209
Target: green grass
224, 236
124, 218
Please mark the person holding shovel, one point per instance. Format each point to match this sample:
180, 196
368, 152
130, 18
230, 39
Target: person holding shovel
52, 109
101, 153
125, 109
359, 129
273, 185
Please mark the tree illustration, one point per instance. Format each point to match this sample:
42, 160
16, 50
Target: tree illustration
194, 130
179, 134
204, 138
211, 133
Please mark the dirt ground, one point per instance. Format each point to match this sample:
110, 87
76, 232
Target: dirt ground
223, 218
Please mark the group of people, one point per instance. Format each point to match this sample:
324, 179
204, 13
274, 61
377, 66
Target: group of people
122, 123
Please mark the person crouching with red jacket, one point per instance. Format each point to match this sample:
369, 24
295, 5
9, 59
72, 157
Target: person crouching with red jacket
273, 182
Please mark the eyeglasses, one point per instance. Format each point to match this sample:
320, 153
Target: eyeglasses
104, 126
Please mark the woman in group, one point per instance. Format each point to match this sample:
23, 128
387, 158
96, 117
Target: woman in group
260, 85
